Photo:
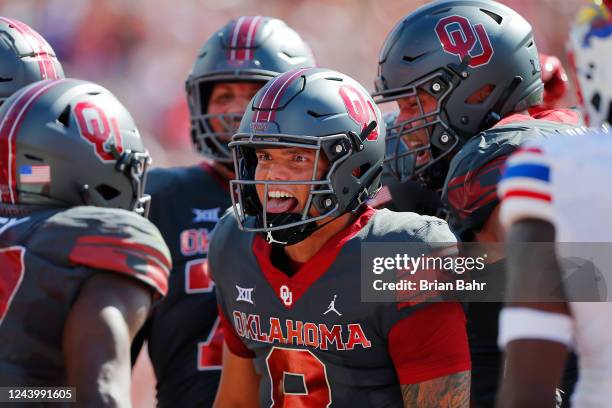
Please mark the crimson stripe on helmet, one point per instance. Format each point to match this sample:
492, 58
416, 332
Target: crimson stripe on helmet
274, 93
251, 35
8, 146
241, 42
277, 98
49, 64
39, 46
234, 42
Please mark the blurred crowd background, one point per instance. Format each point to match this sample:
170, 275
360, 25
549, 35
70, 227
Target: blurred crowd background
142, 50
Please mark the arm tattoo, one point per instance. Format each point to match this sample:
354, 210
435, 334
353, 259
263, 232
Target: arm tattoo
452, 391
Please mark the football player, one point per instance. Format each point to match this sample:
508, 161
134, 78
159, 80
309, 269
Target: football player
286, 262
589, 53
543, 184
25, 57
463, 91
184, 336
81, 265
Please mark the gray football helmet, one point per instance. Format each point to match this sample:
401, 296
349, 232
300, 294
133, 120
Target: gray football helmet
249, 48
317, 109
68, 142
25, 57
476, 58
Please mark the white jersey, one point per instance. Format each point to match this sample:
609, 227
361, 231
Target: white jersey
567, 181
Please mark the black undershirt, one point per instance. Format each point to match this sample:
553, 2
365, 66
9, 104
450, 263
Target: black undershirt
282, 262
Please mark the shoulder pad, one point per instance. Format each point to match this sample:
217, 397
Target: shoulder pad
105, 239
410, 227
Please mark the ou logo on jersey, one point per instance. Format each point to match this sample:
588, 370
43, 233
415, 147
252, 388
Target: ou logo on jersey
97, 128
286, 295
459, 37
359, 108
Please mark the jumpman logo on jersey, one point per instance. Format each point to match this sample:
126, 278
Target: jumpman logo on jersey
332, 307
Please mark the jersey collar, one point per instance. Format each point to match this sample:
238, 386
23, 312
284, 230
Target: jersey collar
295, 286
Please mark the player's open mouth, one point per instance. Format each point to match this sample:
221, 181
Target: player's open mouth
280, 201
423, 156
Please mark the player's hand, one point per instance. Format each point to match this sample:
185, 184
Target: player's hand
555, 80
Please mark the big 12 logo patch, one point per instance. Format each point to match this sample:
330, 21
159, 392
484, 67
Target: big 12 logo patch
459, 37
97, 128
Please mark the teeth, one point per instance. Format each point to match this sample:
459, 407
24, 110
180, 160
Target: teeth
279, 194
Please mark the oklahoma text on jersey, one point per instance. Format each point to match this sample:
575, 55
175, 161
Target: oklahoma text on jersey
301, 333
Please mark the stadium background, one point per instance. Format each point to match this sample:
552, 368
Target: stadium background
142, 50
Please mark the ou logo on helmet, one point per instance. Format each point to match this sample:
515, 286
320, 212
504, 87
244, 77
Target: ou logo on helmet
96, 127
459, 37
359, 108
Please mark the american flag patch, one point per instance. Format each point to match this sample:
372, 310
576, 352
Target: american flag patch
35, 174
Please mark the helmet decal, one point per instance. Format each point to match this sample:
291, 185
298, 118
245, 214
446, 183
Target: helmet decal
459, 37
243, 37
271, 98
96, 128
359, 108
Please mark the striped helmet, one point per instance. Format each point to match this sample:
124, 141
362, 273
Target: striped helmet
25, 57
317, 109
68, 142
249, 48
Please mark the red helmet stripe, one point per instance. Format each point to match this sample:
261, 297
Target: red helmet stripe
8, 146
243, 37
234, 43
252, 34
38, 45
274, 94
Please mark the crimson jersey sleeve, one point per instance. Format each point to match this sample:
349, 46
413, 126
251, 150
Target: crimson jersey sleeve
232, 340
105, 239
430, 343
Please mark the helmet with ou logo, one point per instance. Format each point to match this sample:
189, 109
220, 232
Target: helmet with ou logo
249, 48
317, 109
589, 45
25, 57
69, 142
476, 59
